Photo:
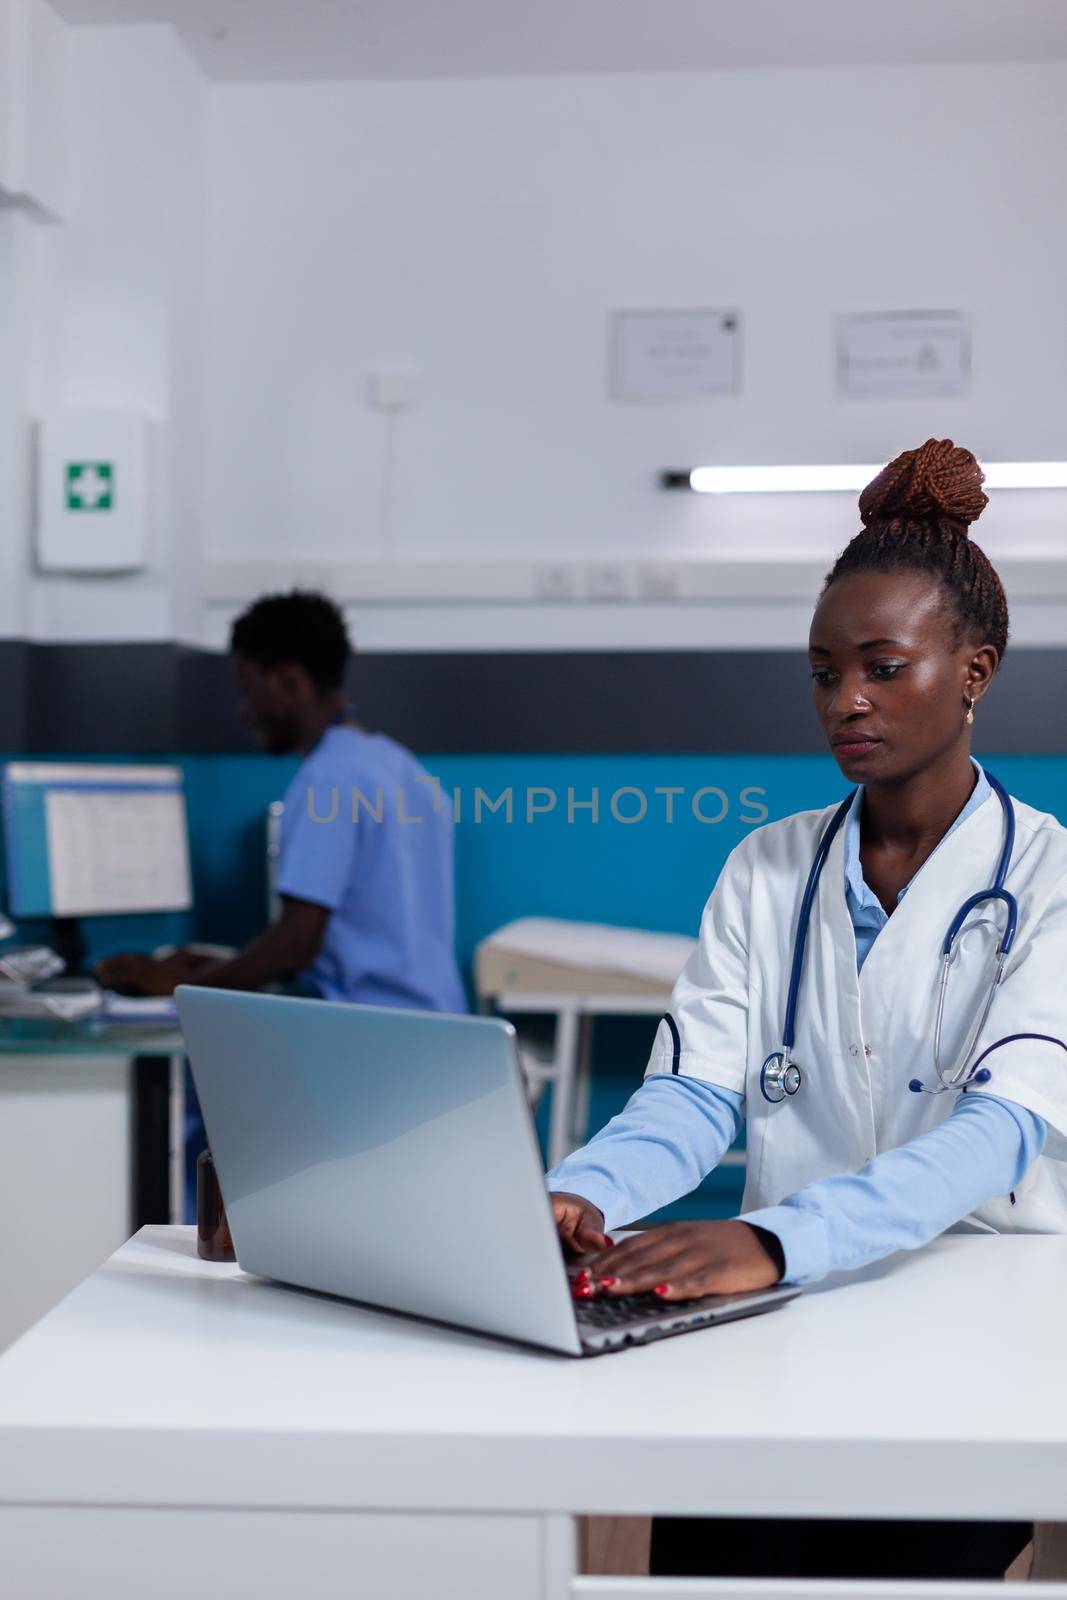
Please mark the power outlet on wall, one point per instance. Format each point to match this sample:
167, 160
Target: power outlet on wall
555, 583
606, 582
659, 582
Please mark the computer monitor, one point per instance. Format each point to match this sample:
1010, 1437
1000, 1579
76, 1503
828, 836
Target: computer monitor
94, 840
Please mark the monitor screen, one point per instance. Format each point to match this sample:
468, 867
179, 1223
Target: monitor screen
94, 840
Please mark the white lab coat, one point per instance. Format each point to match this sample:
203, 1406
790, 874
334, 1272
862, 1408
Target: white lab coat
861, 1037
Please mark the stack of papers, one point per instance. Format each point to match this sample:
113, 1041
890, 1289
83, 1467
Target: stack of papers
142, 1009
81, 1000
61, 1000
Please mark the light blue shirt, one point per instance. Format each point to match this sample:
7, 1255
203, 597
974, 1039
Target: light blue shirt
864, 907
675, 1130
367, 833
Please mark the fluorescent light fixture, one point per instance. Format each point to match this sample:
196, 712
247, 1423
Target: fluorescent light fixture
779, 480
835, 479
1026, 475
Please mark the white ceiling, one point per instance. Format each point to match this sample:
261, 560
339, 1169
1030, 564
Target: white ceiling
256, 40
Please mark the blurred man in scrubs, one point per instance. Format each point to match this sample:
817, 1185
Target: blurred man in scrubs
365, 870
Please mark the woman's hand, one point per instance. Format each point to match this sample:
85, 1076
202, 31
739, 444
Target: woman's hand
682, 1260
580, 1224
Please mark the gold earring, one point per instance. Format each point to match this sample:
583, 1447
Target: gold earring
970, 712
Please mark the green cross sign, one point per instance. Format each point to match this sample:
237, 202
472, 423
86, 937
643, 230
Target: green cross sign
90, 485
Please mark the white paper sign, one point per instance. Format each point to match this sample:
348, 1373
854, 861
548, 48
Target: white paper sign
898, 354
674, 355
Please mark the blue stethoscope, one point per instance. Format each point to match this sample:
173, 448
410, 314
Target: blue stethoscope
780, 1076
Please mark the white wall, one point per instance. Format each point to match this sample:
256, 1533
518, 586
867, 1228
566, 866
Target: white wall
32, 172
14, 508
236, 260
110, 302
32, 128
482, 232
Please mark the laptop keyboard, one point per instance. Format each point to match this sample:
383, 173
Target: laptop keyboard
613, 1311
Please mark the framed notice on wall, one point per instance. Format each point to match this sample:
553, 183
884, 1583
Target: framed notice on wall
674, 355
890, 355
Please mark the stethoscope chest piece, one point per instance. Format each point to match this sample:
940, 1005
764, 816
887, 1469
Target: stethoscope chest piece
779, 1077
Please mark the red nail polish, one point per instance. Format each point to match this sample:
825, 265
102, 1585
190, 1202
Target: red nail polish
608, 1283
661, 1288
582, 1291
609, 1242
582, 1276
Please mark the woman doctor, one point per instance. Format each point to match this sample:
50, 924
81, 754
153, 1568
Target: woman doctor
872, 1153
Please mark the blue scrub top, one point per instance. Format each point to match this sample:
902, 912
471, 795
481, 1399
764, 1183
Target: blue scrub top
368, 834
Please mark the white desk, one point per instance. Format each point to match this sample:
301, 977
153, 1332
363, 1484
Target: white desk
174, 1424
92, 1144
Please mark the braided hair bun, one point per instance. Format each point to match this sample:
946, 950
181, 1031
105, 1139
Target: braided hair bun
915, 517
939, 482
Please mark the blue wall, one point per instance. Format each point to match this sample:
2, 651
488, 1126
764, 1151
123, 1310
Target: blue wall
650, 873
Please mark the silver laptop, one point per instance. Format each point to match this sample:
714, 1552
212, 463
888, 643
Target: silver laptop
390, 1157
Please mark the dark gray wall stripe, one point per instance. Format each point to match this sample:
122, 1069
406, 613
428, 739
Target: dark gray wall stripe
83, 698
153, 698
207, 704
13, 731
